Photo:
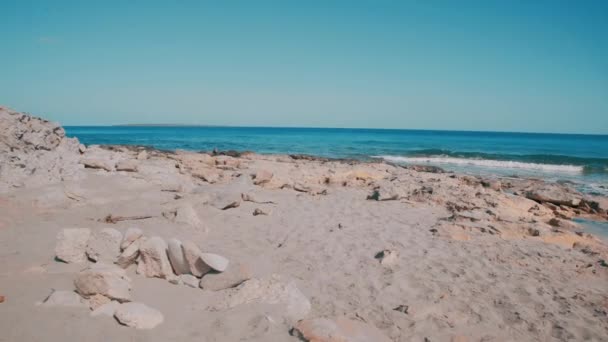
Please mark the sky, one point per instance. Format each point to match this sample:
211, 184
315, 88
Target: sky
526, 66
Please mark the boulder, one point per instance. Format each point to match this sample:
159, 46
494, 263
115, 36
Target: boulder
176, 257
339, 329
216, 262
100, 164
81, 148
104, 245
154, 260
192, 254
554, 194
189, 280
64, 298
129, 255
232, 277
71, 245
131, 235
127, 165
138, 316
108, 280
262, 177
272, 291
107, 309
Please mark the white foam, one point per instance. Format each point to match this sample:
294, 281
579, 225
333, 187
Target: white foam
488, 163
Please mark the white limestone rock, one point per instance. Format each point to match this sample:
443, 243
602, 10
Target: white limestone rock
71, 245
104, 245
154, 260
176, 257
108, 280
138, 316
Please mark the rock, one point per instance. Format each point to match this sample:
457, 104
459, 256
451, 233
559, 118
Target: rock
127, 165
259, 211
129, 255
262, 177
2, 299
554, 194
64, 298
216, 262
176, 257
71, 245
340, 329
138, 316
533, 232
98, 300
383, 194
192, 254
107, 309
97, 164
131, 235
186, 214
154, 260
387, 257
492, 184
82, 148
273, 291
104, 245
108, 280
232, 277
143, 155
425, 168
207, 174
189, 280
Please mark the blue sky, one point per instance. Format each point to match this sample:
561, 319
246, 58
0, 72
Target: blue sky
464, 65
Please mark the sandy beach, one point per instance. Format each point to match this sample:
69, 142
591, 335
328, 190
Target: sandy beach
317, 249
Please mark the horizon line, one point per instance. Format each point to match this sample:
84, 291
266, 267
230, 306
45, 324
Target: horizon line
178, 125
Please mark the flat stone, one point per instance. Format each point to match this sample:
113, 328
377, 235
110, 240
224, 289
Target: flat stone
339, 329
225, 201
186, 214
154, 260
138, 316
232, 277
104, 245
108, 280
272, 290
71, 245
65, 298
189, 280
176, 257
216, 262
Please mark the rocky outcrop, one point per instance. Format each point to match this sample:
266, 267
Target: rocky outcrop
34, 152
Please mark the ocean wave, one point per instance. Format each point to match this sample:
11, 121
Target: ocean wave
488, 163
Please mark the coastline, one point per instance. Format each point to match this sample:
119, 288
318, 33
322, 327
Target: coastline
414, 252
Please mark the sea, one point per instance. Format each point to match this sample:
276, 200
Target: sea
581, 160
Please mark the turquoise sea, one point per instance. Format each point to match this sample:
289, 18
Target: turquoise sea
581, 159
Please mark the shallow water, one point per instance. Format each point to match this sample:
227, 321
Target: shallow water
597, 228
582, 159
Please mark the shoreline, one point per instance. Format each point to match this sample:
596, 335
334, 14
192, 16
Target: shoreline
408, 252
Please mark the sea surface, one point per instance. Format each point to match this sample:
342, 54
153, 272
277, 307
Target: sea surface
581, 159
